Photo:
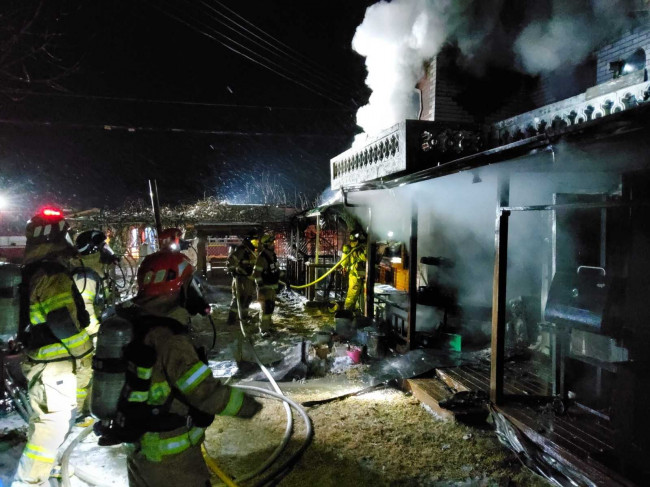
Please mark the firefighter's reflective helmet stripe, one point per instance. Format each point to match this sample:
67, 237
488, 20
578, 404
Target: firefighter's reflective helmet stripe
234, 403
193, 377
38, 311
77, 345
155, 448
39, 453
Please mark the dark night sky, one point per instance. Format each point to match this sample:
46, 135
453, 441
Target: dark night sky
130, 49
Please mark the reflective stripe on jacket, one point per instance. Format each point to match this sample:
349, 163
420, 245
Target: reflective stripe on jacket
51, 289
241, 261
156, 446
181, 384
267, 272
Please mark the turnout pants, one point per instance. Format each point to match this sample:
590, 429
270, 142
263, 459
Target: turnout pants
186, 469
52, 390
88, 287
355, 287
266, 297
245, 287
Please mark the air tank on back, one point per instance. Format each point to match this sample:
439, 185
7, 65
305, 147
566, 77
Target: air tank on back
109, 366
9, 302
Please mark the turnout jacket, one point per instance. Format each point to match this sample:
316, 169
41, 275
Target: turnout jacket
355, 262
53, 316
180, 392
241, 261
267, 272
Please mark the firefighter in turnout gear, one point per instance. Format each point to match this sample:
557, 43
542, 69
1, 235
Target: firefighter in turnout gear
170, 239
240, 266
170, 395
91, 275
267, 277
53, 330
355, 266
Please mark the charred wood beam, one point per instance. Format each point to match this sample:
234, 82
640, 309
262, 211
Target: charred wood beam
499, 292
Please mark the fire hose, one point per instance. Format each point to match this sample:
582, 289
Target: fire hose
288, 403
289, 428
340, 262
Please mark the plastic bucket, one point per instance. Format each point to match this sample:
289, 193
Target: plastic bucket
355, 355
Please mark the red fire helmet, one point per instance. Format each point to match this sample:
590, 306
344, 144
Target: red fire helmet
170, 239
163, 273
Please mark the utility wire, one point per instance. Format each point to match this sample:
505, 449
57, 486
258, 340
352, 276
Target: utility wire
132, 129
315, 90
300, 61
309, 84
169, 102
297, 54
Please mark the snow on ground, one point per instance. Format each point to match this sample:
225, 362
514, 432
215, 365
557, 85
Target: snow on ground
382, 438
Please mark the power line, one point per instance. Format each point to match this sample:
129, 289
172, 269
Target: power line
179, 130
313, 89
308, 84
305, 59
300, 60
170, 102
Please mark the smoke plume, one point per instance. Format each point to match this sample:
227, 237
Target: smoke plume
399, 37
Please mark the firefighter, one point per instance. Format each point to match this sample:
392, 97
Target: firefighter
267, 277
240, 266
181, 397
170, 239
355, 266
90, 276
53, 331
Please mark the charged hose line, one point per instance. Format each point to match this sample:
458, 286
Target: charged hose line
343, 259
65, 458
309, 435
289, 428
212, 465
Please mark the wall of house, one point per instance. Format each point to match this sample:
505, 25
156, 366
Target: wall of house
438, 96
621, 49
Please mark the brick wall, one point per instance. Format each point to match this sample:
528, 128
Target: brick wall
438, 93
621, 49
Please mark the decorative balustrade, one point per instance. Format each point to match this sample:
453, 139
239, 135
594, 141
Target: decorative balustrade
405, 147
572, 111
414, 145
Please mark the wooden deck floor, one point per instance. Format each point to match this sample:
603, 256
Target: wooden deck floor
577, 439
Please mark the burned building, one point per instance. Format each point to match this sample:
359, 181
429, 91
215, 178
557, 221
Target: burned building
524, 226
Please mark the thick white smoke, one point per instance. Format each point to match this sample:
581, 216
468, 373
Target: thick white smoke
396, 38
571, 33
399, 37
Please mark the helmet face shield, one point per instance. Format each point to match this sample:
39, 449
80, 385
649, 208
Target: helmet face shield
195, 303
90, 242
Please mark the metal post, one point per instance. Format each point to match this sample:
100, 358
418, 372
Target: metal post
153, 192
202, 255
317, 251
370, 279
413, 277
499, 293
